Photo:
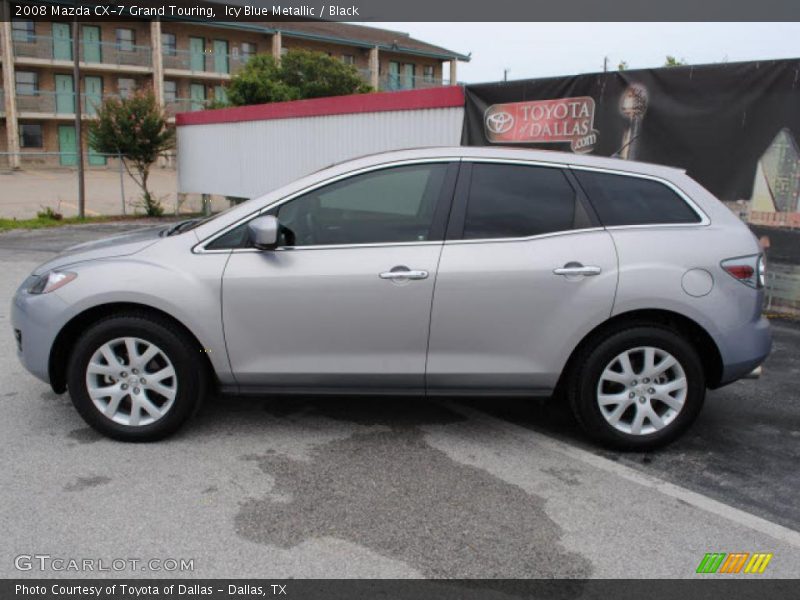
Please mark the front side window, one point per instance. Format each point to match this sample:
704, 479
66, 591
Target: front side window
126, 39
27, 83
427, 72
514, 201
626, 200
23, 30
348, 59
30, 135
387, 206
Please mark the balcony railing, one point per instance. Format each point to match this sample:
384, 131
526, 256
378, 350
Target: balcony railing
107, 53
388, 82
59, 103
2, 102
205, 62
178, 105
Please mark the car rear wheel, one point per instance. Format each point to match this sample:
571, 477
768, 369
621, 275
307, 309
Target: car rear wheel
135, 378
637, 389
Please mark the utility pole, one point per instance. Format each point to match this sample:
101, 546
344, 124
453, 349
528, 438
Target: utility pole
505, 74
76, 78
605, 64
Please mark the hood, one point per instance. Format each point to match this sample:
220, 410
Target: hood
123, 244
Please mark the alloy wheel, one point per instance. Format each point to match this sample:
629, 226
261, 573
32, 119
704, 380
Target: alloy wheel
642, 390
131, 381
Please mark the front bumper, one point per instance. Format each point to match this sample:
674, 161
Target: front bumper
36, 320
744, 350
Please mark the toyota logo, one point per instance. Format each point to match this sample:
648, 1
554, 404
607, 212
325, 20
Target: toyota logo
499, 122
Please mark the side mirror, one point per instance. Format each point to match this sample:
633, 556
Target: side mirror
264, 231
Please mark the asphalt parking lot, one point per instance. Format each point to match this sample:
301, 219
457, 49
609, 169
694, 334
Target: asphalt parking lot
306, 487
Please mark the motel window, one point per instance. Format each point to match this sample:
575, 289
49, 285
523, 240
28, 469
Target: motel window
126, 87
284, 51
169, 44
23, 30
248, 50
348, 59
30, 135
126, 40
170, 91
427, 72
27, 83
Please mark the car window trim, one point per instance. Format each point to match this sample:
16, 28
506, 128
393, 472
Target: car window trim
704, 218
445, 198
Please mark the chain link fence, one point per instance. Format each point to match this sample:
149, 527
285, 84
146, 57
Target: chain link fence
49, 180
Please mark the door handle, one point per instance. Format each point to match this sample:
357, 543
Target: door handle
404, 274
573, 268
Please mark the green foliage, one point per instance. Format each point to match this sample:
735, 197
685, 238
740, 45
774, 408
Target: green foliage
300, 74
622, 66
137, 128
47, 213
671, 61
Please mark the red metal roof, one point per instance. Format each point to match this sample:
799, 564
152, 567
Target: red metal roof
439, 97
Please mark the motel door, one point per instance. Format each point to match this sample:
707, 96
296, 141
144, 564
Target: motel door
65, 95
62, 42
91, 44
221, 57
93, 94
197, 93
197, 54
67, 146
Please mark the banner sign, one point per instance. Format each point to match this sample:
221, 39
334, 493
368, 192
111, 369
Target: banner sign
544, 121
734, 127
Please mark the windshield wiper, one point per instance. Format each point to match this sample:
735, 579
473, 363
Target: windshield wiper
179, 227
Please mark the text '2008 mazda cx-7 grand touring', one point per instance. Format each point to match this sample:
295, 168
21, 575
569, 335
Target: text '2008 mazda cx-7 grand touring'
625, 287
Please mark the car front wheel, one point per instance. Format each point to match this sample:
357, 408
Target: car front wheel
639, 388
135, 378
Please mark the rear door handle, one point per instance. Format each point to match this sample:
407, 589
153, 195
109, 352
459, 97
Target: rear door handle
573, 268
397, 273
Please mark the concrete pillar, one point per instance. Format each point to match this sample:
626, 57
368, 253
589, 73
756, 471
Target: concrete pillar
157, 60
453, 72
277, 45
374, 68
9, 86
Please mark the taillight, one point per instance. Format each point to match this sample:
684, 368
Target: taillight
750, 270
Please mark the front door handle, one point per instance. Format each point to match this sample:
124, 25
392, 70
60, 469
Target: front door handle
576, 268
403, 273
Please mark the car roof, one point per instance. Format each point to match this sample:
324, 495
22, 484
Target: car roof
525, 154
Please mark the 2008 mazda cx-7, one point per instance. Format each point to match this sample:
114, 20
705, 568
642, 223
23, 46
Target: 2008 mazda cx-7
627, 288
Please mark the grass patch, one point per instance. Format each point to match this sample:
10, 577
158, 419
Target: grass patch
44, 220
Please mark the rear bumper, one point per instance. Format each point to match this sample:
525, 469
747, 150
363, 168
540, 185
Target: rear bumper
744, 350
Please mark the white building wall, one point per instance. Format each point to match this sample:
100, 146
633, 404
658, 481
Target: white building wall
250, 158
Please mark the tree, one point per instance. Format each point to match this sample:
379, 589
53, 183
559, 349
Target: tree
137, 129
300, 74
671, 61
622, 66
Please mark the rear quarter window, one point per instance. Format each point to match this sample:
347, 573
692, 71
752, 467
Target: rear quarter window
627, 200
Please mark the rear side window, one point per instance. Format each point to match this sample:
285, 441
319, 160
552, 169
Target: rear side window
509, 201
623, 200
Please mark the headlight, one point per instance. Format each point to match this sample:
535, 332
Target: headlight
51, 281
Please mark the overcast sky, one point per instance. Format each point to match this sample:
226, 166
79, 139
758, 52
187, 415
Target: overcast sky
546, 49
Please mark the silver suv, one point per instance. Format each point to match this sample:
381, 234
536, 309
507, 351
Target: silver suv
625, 288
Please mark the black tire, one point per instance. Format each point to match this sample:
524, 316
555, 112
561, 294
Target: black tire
189, 369
582, 385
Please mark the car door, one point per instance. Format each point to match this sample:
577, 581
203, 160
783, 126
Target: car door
525, 273
344, 302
